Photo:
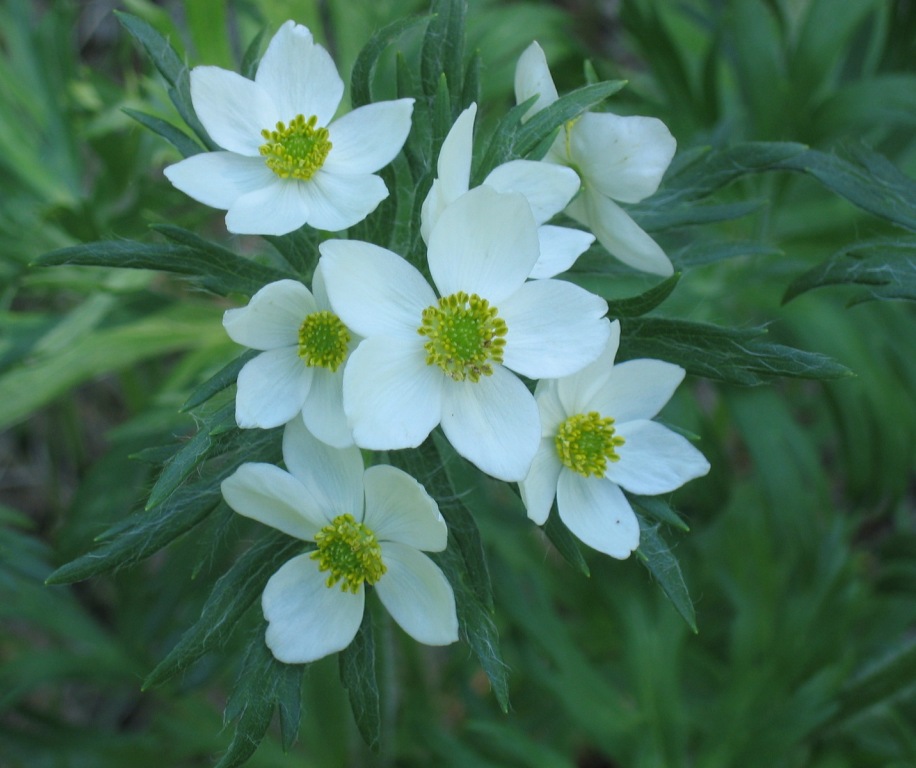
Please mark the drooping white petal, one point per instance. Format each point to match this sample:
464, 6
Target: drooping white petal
392, 398
307, 620
399, 509
485, 242
550, 407
333, 476
637, 389
539, 488
577, 393
276, 209
373, 290
271, 389
300, 76
654, 459
493, 423
623, 158
596, 511
532, 78
274, 497
218, 179
617, 232
417, 595
555, 328
548, 188
368, 138
323, 411
560, 247
272, 317
232, 108
336, 201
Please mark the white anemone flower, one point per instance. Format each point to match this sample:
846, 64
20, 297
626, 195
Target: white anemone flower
449, 359
286, 161
618, 159
597, 437
547, 187
370, 528
304, 350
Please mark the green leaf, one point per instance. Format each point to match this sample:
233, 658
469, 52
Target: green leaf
655, 507
887, 267
364, 67
232, 595
250, 58
299, 249
223, 378
358, 677
699, 253
443, 47
177, 138
656, 555
565, 542
656, 218
736, 356
646, 301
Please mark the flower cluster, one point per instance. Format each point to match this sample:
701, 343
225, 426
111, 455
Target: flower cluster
375, 355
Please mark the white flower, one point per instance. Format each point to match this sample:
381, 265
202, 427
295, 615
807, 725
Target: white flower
369, 527
547, 187
428, 360
617, 158
300, 370
287, 162
596, 437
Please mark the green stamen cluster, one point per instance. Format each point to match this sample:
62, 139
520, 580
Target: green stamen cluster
323, 340
350, 552
296, 152
586, 443
465, 336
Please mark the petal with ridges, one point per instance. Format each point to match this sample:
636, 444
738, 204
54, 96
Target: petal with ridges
532, 78
368, 138
271, 389
637, 389
399, 509
323, 411
549, 406
578, 392
560, 247
539, 488
218, 179
596, 511
272, 317
276, 209
336, 201
548, 188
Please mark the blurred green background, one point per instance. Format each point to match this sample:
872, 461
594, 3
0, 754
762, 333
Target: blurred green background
802, 553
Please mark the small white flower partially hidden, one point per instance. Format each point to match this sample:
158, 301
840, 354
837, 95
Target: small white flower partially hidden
596, 437
287, 162
304, 350
451, 358
369, 527
617, 158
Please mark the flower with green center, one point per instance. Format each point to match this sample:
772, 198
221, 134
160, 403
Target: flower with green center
304, 348
286, 161
617, 158
370, 528
450, 356
597, 436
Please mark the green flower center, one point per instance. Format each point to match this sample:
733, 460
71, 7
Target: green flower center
586, 443
349, 552
464, 336
323, 340
296, 152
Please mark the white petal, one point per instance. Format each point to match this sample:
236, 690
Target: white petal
300, 76
485, 242
550, 407
218, 179
616, 231
454, 164
276, 209
548, 188
323, 411
399, 509
493, 423
373, 290
274, 497
637, 389
417, 595
272, 317
596, 511
532, 78
336, 201
307, 620
392, 398
368, 138
539, 488
232, 108
577, 393
560, 247
431, 209
654, 459
271, 389
333, 476
623, 158
555, 328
